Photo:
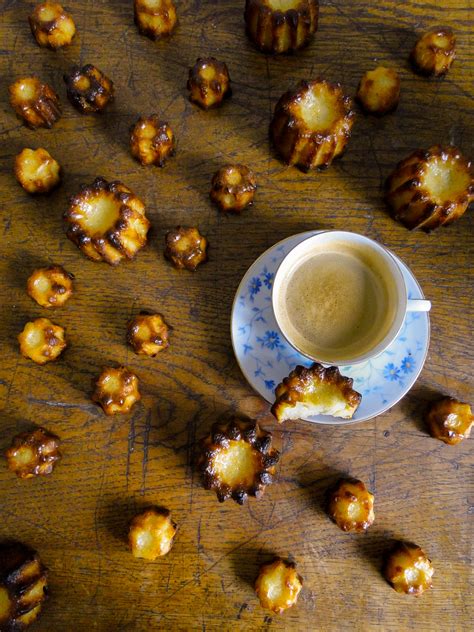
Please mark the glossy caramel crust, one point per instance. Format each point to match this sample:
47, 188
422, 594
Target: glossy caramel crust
350, 491
208, 91
59, 282
121, 396
42, 341
294, 388
88, 89
406, 556
185, 247
23, 580
151, 534
155, 21
55, 32
278, 585
233, 188
237, 429
36, 170
277, 31
428, 58
33, 453
379, 91
152, 141
449, 420
411, 203
35, 102
296, 143
157, 334
124, 239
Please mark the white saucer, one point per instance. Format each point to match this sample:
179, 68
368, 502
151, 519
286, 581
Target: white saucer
265, 357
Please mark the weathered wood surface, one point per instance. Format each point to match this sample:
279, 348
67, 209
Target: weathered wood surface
77, 517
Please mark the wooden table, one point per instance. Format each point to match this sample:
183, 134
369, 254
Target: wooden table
77, 518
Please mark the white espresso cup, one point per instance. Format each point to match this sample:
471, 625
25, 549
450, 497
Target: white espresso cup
340, 298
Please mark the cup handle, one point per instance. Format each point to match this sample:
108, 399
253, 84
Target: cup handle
418, 305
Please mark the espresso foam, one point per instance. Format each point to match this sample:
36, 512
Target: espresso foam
337, 303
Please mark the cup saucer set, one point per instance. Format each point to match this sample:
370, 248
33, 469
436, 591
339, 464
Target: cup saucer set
266, 357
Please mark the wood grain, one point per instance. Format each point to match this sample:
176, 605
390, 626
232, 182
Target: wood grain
77, 518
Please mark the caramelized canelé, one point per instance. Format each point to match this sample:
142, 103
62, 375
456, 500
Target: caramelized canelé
312, 124
237, 460
50, 287
434, 52
430, 188
42, 341
107, 221
449, 420
280, 26
278, 585
155, 18
88, 88
51, 25
351, 505
116, 390
408, 569
233, 188
151, 533
152, 141
35, 102
185, 247
208, 82
33, 453
148, 334
379, 90
36, 170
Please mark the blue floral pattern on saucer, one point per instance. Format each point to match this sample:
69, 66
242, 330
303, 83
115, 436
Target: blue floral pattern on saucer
266, 358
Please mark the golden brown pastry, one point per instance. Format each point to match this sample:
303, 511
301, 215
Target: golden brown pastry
208, 83
35, 102
278, 585
148, 334
50, 287
185, 247
152, 141
107, 221
312, 124
42, 341
351, 505
408, 569
237, 460
379, 90
315, 391
36, 170
33, 453
116, 390
151, 533
88, 89
449, 420
280, 26
23, 586
430, 188
51, 25
233, 188
155, 18
434, 52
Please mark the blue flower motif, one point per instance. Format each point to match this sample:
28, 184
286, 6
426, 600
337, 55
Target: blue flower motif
268, 279
270, 384
254, 287
391, 372
408, 364
271, 340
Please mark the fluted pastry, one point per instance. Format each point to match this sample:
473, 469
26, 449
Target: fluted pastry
312, 124
233, 188
50, 287
430, 188
23, 586
351, 505
33, 453
434, 52
107, 221
35, 102
408, 569
155, 18
116, 390
148, 334
209, 82
88, 88
42, 341
278, 585
151, 534
36, 170
185, 247
152, 141
237, 460
316, 390
280, 26
379, 90
51, 25
449, 420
